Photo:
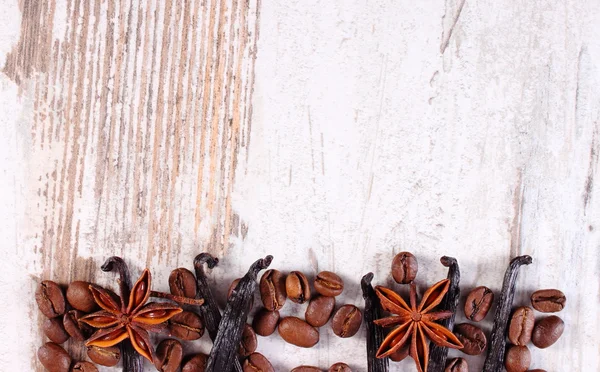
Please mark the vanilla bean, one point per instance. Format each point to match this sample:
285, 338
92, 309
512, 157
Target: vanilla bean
438, 354
132, 360
227, 342
209, 310
494, 361
375, 334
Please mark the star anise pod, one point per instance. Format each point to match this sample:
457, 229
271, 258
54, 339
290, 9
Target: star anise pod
416, 323
128, 317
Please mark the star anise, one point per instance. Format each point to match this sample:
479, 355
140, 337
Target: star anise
415, 322
128, 317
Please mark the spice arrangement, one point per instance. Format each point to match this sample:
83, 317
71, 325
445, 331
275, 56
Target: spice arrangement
118, 329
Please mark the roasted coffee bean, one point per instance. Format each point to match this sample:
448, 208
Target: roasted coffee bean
547, 331
256, 362
105, 356
169, 354
472, 337
80, 297
548, 300
265, 322
54, 358
404, 267
346, 321
272, 289
478, 304
232, 287
197, 363
186, 326
319, 310
249, 342
297, 287
307, 369
55, 331
400, 354
297, 332
182, 282
329, 284
79, 331
84, 367
518, 359
339, 367
457, 365
536, 370
521, 325
50, 299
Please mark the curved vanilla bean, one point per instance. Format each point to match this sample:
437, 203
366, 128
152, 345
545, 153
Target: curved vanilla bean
438, 354
225, 347
494, 362
210, 310
375, 334
132, 360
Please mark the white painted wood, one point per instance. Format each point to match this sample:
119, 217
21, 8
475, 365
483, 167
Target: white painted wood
361, 129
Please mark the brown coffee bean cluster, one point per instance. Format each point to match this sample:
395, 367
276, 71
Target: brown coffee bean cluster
524, 328
276, 288
63, 310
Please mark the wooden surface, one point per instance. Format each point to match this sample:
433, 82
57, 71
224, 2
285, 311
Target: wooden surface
331, 134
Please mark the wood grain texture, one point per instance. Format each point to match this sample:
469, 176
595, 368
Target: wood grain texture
343, 134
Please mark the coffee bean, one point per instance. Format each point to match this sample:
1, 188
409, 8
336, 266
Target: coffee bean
50, 299
319, 310
232, 287
339, 367
79, 331
182, 282
400, 354
306, 369
105, 356
297, 332
547, 331
54, 358
75, 328
329, 284
521, 325
518, 359
297, 287
84, 367
404, 267
472, 337
197, 363
457, 365
186, 326
257, 363
536, 370
54, 330
272, 289
265, 322
169, 354
548, 300
346, 321
249, 342
478, 304
80, 297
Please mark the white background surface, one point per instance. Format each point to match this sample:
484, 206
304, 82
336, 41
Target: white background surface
331, 134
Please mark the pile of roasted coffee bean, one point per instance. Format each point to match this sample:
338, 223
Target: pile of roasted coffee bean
63, 313
276, 288
542, 333
477, 305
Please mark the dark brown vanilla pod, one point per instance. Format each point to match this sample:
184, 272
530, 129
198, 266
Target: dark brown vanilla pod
210, 309
375, 334
494, 361
225, 347
438, 355
132, 360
